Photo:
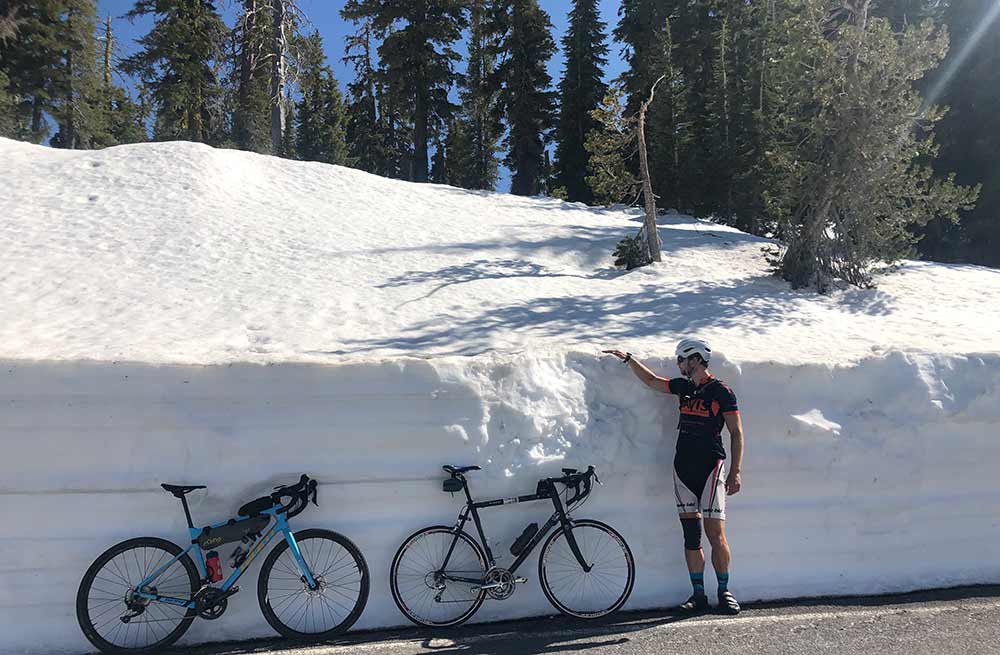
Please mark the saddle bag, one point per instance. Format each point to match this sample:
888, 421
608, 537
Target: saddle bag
453, 485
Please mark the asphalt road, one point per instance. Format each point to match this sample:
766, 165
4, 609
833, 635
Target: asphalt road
963, 621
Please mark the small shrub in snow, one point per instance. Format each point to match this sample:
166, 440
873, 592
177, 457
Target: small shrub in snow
632, 252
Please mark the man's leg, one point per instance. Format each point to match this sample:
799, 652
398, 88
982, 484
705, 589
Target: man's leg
687, 508
695, 557
715, 530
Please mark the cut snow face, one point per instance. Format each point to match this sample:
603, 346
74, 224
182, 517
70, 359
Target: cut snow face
176, 252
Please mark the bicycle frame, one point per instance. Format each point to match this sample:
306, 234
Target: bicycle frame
280, 526
472, 509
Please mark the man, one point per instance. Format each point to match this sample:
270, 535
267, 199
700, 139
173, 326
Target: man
706, 404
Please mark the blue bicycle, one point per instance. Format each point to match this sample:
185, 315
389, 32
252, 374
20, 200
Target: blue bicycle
143, 594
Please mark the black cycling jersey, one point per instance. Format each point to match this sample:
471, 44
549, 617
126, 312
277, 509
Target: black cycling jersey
703, 410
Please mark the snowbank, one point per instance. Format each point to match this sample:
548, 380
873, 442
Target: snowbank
178, 253
862, 479
173, 313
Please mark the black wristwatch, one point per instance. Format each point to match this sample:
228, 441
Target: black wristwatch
628, 358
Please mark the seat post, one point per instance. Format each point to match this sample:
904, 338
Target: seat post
187, 512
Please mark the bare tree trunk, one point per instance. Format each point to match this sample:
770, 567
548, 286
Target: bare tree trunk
277, 90
109, 41
69, 126
652, 236
725, 116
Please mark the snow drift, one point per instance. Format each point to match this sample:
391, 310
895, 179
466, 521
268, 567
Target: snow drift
173, 313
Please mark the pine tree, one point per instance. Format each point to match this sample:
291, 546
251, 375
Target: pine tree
462, 157
968, 83
34, 62
473, 138
253, 34
178, 61
440, 163
419, 62
849, 152
527, 99
365, 135
610, 144
118, 117
9, 126
321, 117
581, 91
643, 46
79, 105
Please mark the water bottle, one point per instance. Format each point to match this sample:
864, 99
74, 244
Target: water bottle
214, 566
522, 541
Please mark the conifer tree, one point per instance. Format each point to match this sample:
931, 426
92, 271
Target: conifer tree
320, 115
32, 57
968, 83
851, 157
253, 35
177, 61
474, 137
528, 101
580, 92
365, 134
418, 55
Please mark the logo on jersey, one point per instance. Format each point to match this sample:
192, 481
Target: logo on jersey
695, 407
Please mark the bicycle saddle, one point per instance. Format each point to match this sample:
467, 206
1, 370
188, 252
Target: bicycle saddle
459, 469
181, 489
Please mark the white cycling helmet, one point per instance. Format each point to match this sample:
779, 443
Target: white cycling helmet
689, 347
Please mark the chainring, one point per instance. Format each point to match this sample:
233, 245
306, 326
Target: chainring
504, 581
211, 603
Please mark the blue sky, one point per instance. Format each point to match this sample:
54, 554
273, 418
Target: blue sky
325, 17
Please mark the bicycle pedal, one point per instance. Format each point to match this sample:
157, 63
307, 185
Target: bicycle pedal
520, 580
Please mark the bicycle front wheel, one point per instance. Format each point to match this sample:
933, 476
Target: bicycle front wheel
429, 593
587, 594
341, 574
114, 619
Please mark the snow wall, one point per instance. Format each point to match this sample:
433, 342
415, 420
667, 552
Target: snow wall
872, 478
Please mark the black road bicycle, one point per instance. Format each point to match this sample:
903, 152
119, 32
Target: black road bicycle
441, 576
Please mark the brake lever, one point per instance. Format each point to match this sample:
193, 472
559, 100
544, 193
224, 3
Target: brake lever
313, 486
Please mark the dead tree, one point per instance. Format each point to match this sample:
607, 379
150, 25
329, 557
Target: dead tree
652, 236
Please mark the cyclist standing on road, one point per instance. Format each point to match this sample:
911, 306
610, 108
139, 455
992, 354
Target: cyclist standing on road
706, 404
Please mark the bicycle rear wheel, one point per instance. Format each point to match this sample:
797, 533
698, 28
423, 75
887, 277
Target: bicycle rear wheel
593, 594
298, 612
114, 619
425, 591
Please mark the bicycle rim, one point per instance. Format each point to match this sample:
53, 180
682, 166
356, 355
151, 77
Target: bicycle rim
583, 594
421, 586
107, 594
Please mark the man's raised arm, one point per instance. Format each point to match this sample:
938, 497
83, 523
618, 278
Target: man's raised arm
650, 379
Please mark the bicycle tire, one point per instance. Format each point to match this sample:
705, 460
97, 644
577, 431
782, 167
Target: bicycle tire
316, 604
122, 573
398, 561
548, 566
